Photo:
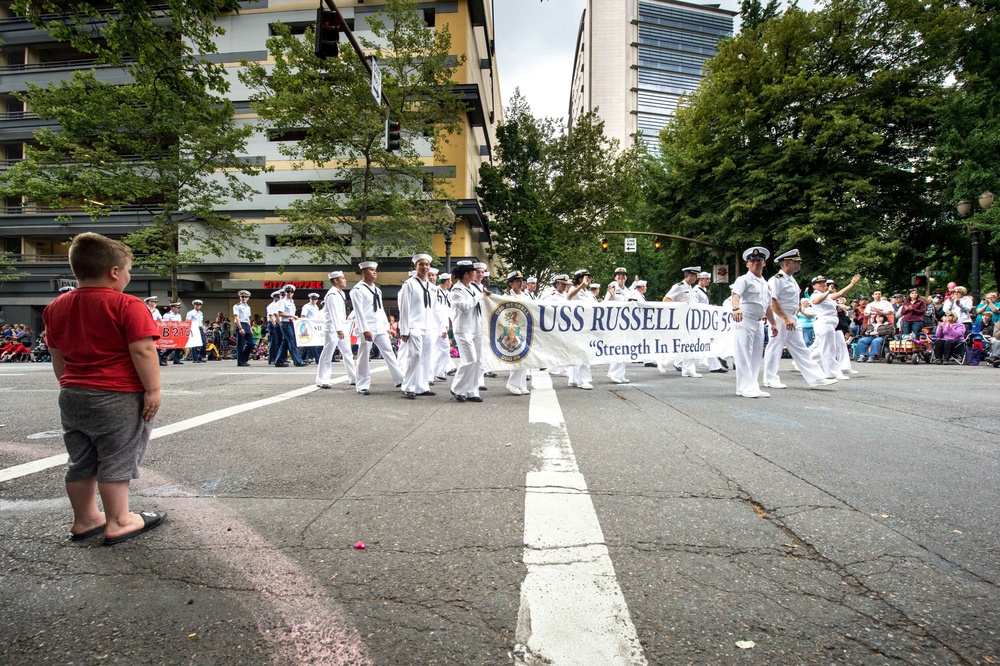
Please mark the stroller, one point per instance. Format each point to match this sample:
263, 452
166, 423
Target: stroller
909, 348
977, 347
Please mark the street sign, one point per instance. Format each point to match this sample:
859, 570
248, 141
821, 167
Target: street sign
720, 273
630, 245
376, 82
939, 273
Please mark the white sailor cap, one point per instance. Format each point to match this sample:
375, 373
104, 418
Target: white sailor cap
421, 257
480, 266
703, 275
368, 264
791, 255
435, 271
333, 275
277, 294
532, 280
755, 253
411, 273
691, 269
640, 283
175, 305
314, 295
147, 299
197, 301
243, 292
464, 262
514, 275
444, 276
595, 285
288, 287
66, 289
621, 269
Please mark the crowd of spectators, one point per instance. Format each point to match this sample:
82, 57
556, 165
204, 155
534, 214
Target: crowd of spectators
19, 344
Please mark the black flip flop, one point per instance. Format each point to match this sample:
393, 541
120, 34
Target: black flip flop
150, 520
86, 535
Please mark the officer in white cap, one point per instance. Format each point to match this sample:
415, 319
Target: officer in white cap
683, 292
517, 383
618, 292
373, 327
639, 289
751, 301
580, 376
442, 308
337, 333
273, 328
826, 348
286, 317
785, 295
418, 328
311, 310
241, 326
561, 284
150, 302
197, 319
467, 323
700, 295
531, 287
173, 315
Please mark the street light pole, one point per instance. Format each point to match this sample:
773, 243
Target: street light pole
449, 218
964, 209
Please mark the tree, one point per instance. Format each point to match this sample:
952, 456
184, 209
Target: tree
811, 130
7, 271
552, 193
378, 202
163, 143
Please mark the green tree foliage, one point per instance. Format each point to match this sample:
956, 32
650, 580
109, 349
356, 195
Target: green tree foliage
164, 142
7, 270
811, 130
378, 203
553, 193
968, 141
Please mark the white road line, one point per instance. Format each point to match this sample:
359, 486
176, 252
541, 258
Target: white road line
572, 608
55, 461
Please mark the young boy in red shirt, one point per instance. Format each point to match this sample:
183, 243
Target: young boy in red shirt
103, 350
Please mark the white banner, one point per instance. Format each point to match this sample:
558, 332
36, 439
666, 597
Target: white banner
310, 332
533, 334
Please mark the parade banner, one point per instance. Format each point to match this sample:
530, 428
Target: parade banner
310, 332
534, 334
174, 334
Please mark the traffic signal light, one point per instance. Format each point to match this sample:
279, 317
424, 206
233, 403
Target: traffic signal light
327, 34
604, 245
919, 280
392, 135
657, 244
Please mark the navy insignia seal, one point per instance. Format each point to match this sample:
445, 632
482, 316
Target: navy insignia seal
511, 331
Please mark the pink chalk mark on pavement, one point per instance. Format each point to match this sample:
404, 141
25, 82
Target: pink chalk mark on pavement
302, 628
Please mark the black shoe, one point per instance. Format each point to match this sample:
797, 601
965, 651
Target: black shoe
719, 370
281, 365
398, 385
474, 398
649, 365
364, 392
490, 374
163, 363
458, 398
427, 393
483, 388
325, 386
451, 372
724, 364
242, 365
300, 365
441, 379
410, 394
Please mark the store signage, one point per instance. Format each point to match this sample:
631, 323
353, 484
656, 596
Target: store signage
309, 284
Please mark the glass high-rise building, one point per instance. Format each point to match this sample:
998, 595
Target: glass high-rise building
636, 58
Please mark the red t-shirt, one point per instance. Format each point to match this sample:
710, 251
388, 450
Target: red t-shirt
92, 327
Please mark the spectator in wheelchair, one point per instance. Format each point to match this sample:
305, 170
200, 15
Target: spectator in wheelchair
869, 346
948, 335
911, 314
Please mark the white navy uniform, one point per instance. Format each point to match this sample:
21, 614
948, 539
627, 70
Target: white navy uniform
197, 319
467, 324
155, 314
700, 296
335, 311
826, 347
419, 322
682, 292
755, 299
369, 317
517, 382
580, 375
785, 291
442, 347
616, 371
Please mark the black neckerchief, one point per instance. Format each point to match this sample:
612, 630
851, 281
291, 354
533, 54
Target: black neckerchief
376, 296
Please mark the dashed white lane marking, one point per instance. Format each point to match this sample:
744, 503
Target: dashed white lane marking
572, 608
55, 461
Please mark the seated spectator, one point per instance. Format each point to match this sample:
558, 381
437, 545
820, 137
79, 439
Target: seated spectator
987, 306
41, 350
806, 318
870, 344
911, 314
949, 334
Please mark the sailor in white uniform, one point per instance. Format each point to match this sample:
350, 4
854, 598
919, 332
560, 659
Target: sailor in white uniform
442, 347
531, 287
683, 292
311, 311
273, 327
826, 347
337, 333
418, 327
639, 289
197, 319
751, 301
618, 292
785, 295
700, 295
174, 315
467, 323
560, 283
373, 327
517, 383
579, 376
151, 304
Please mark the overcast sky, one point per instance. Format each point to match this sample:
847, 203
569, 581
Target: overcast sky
535, 42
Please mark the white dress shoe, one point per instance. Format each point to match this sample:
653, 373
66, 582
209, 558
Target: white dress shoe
778, 385
823, 382
841, 377
514, 389
586, 386
694, 375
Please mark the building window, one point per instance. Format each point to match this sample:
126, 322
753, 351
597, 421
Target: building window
286, 135
306, 187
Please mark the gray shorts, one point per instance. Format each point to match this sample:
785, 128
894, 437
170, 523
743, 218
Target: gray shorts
104, 432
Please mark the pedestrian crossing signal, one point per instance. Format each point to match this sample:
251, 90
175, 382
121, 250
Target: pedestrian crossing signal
393, 137
327, 34
919, 280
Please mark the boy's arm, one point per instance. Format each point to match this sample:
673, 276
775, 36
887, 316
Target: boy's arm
147, 365
59, 363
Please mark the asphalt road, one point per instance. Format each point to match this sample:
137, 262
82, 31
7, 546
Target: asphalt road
852, 525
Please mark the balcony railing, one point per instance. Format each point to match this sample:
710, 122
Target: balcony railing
54, 64
39, 258
34, 209
18, 115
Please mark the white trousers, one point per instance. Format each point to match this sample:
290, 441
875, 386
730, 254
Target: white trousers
470, 364
843, 353
418, 361
825, 348
518, 379
748, 354
380, 340
324, 369
617, 371
442, 357
811, 372
579, 374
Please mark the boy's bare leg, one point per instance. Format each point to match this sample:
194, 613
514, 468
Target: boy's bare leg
83, 497
114, 495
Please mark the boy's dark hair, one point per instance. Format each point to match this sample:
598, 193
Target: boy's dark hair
92, 255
